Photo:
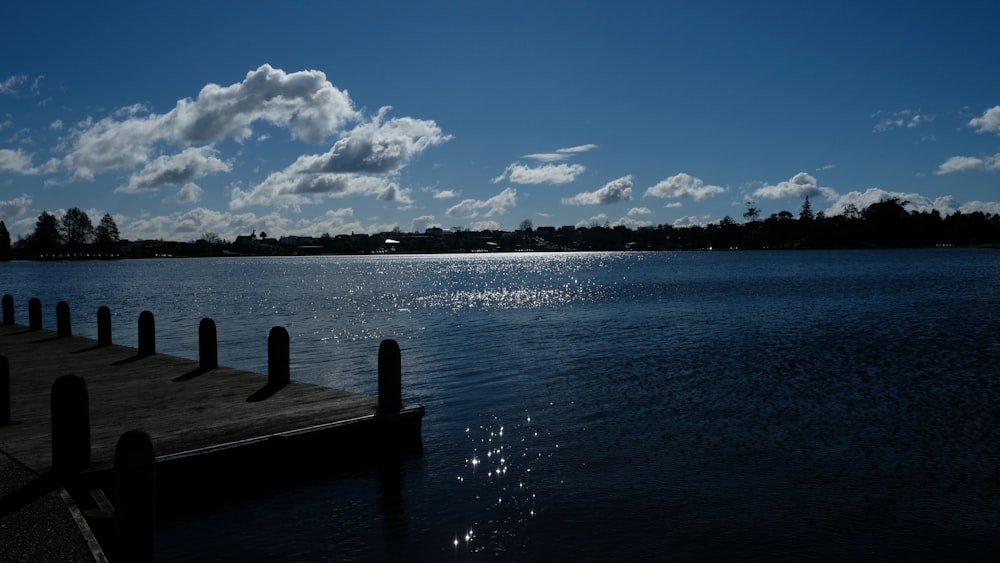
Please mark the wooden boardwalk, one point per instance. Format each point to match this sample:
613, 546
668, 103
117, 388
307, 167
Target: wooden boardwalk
195, 418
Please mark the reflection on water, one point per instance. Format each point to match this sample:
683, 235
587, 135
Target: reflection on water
498, 482
758, 406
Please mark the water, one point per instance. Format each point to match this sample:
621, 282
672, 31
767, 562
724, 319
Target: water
744, 406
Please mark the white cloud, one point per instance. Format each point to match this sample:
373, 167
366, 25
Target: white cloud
639, 211
964, 163
613, 192
904, 118
422, 223
486, 226
16, 161
56, 125
989, 122
363, 162
189, 193
9, 85
445, 194
688, 221
631, 222
683, 185
595, 221
958, 164
560, 154
190, 164
15, 207
304, 102
190, 225
826, 167
577, 149
546, 174
496, 205
799, 186
862, 200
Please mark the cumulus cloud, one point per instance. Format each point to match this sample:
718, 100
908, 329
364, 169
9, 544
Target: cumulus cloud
519, 173
862, 200
304, 102
15, 207
958, 164
16, 161
445, 194
903, 118
799, 186
496, 205
190, 164
612, 192
191, 224
639, 211
683, 185
363, 162
989, 122
546, 174
422, 223
189, 193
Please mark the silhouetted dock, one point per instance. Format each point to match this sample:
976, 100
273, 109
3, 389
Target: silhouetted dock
211, 427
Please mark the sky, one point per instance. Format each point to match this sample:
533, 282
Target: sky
333, 117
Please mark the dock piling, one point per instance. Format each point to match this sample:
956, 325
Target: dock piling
8, 309
4, 390
135, 497
147, 334
34, 314
64, 327
278, 358
103, 326
208, 345
390, 378
70, 406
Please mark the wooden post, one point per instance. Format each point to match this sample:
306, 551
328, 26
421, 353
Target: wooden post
135, 496
278, 358
390, 378
8, 309
103, 326
34, 314
70, 407
64, 327
147, 334
4, 390
208, 345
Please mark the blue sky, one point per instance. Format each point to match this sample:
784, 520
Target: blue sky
306, 118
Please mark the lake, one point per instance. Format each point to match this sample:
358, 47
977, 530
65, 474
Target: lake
739, 406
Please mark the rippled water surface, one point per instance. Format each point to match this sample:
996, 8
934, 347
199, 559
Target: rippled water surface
750, 406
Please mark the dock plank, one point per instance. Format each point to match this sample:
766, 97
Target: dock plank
181, 409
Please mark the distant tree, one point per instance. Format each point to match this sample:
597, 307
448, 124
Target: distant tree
76, 229
806, 214
727, 221
211, 238
106, 235
752, 213
525, 225
263, 235
46, 238
4, 242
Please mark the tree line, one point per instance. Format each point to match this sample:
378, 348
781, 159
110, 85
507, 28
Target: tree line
886, 224
70, 236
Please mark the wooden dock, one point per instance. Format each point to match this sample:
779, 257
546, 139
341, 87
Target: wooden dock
212, 428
